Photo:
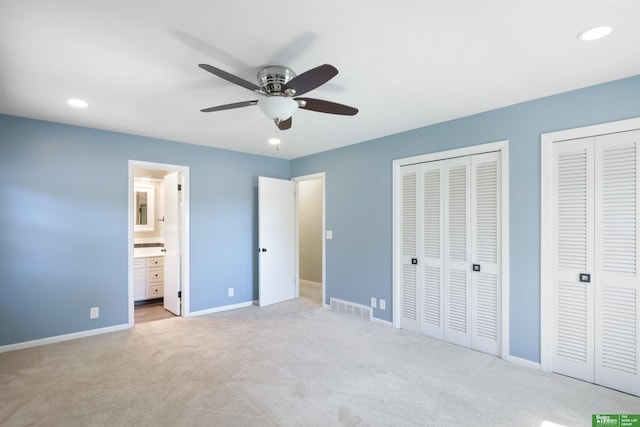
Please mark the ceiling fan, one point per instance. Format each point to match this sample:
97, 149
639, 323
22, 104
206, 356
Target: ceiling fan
281, 89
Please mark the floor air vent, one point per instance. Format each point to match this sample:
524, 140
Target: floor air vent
350, 308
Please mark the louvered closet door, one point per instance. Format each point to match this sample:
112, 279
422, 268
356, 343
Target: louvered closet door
432, 262
573, 332
450, 221
596, 308
485, 227
409, 307
617, 310
457, 251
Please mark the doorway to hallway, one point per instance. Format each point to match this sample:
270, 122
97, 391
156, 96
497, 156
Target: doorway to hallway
311, 233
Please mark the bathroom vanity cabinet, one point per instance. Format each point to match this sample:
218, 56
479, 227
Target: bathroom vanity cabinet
148, 278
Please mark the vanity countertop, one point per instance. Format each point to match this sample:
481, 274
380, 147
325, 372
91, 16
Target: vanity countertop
147, 252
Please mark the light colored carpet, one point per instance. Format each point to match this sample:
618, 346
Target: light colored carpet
311, 293
290, 364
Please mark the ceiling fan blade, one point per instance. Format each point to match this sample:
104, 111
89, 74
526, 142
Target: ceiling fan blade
231, 78
284, 124
311, 79
325, 106
230, 106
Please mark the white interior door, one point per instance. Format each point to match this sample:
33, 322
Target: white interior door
617, 257
451, 231
410, 282
276, 240
457, 252
573, 212
432, 250
172, 245
485, 241
596, 316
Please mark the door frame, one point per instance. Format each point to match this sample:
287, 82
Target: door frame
503, 148
184, 250
297, 179
546, 225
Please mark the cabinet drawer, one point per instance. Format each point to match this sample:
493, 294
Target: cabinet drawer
139, 263
155, 261
155, 291
155, 275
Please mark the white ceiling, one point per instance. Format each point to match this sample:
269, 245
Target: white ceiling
404, 64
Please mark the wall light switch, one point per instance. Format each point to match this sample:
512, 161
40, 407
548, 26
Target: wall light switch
383, 304
374, 303
329, 234
94, 312
230, 292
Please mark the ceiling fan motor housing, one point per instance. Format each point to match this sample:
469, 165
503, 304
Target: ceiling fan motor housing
273, 78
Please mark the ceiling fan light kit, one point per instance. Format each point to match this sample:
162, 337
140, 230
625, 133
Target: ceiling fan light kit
278, 85
278, 107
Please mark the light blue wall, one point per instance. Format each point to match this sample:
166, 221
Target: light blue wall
63, 213
359, 197
63, 224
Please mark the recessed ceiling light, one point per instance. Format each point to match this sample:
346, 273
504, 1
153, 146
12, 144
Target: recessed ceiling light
77, 103
274, 141
595, 33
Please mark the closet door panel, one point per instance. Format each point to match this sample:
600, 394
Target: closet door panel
432, 261
410, 281
457, 250
617, 308
485, 226
573, 317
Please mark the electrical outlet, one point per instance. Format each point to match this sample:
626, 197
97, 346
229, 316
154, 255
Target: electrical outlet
373, 302
94, 312
230, 292
383, 304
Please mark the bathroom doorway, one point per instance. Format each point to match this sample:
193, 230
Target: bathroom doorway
158, 241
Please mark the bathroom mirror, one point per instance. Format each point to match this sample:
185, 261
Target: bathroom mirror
144, 203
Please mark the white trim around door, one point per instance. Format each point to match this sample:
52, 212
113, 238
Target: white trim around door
503, 148
186, 187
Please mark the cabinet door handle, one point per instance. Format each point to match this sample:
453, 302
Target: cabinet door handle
476, 267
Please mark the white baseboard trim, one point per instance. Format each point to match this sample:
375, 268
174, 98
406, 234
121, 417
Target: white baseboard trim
60, 338
382, 322
310, 283
221, 308
523, 362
